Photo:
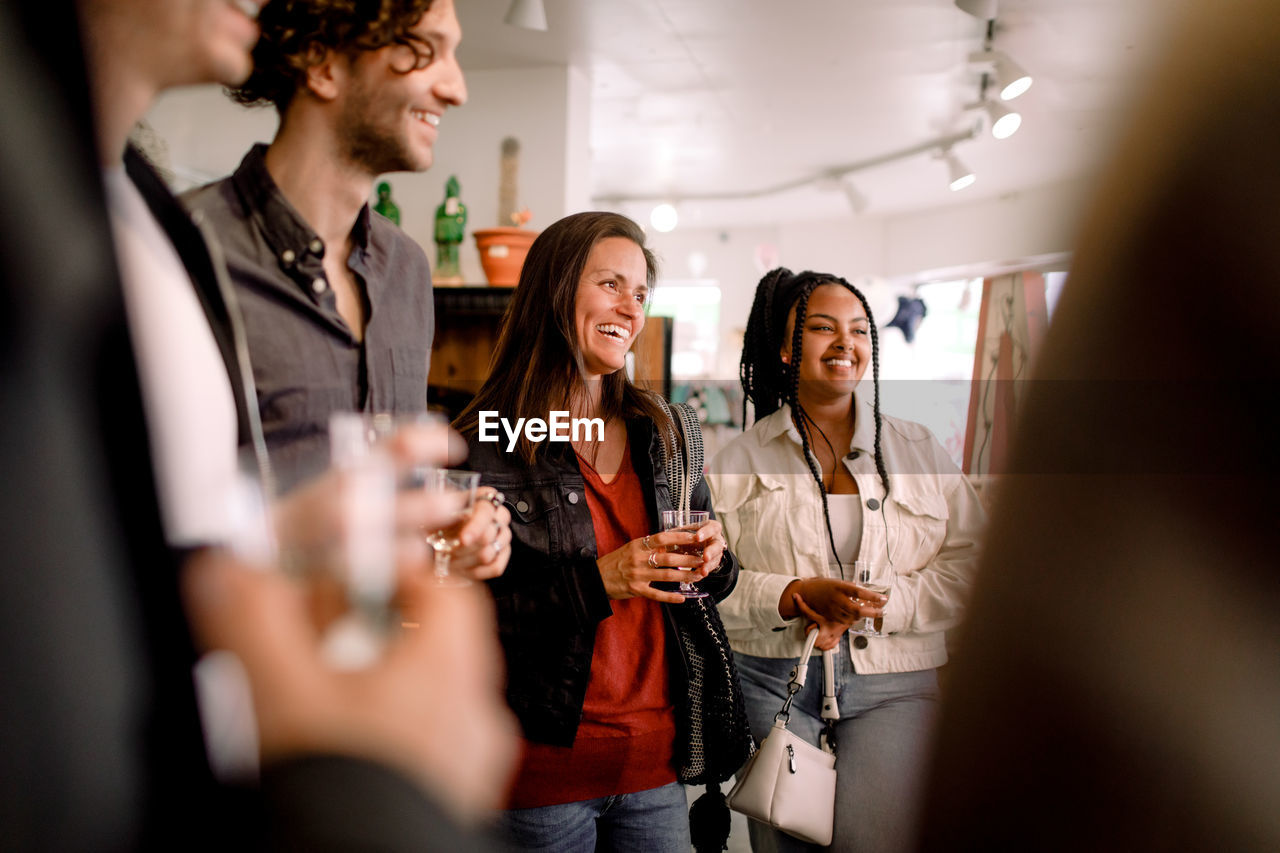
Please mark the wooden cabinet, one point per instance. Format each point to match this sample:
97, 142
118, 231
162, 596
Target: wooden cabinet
467, 324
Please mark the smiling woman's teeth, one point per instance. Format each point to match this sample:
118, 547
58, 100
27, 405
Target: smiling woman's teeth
612, 330
838, 362
424, 116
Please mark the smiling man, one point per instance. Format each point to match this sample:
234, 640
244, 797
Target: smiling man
337, 301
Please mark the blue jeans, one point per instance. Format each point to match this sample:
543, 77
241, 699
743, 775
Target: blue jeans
655, 820
882, 738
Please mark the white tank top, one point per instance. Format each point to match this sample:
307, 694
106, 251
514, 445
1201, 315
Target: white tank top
846, 527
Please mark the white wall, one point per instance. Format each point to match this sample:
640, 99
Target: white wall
546, 108
878, 253
207, 133
538, 106
731, 259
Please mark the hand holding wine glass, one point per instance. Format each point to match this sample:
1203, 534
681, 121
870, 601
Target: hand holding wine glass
633, 570
690, 520
832, 604
460, 488
877, 578
484, 547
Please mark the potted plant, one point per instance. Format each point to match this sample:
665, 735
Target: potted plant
503, 249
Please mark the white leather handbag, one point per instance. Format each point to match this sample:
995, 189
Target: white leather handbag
790, 784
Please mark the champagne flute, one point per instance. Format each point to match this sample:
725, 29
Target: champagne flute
691, 520
876, 577
461, 486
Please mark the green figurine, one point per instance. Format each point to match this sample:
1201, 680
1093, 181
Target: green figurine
385, 205
451, 223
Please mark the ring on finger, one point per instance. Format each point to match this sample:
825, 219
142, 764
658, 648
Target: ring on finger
645, 542
653, 559
495, 498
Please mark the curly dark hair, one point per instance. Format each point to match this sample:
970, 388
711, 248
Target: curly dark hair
767, 382
296, 34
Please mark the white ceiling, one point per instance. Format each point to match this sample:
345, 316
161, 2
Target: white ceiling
725, 97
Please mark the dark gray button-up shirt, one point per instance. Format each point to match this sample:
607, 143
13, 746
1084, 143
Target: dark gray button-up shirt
306, 362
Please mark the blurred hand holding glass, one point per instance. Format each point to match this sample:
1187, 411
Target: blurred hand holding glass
364, 551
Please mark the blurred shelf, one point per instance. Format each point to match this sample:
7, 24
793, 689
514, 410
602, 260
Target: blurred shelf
472, 300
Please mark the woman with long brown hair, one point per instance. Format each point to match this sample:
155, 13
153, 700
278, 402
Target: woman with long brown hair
596, 669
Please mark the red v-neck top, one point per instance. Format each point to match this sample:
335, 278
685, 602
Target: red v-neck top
626, 740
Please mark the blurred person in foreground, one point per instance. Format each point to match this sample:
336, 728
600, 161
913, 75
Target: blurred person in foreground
349, 760
1119, 688
821, 480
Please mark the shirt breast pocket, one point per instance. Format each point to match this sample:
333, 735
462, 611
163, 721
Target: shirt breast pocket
535, 514
770, 523
922, 527
409, 368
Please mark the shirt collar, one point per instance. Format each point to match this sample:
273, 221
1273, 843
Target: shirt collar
864, 429
283, 228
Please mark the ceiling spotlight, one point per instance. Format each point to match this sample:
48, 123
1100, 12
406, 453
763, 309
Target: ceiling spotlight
984, 9
527, 14
1011, 77
961, 176
1004, 121
664, 217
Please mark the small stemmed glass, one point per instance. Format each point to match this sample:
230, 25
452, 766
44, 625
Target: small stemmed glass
876, 577
691, 520
460, 488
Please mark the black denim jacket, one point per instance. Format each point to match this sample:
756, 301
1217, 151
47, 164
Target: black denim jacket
551, 597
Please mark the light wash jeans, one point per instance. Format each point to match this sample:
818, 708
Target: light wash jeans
652, 821
882, 737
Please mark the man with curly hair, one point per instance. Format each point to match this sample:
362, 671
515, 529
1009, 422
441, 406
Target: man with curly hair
337, 301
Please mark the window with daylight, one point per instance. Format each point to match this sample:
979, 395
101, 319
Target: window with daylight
694, 308
928, 379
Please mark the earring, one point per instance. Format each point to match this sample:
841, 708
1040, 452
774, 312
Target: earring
786, 359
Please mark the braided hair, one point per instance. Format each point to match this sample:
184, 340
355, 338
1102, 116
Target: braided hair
768, 382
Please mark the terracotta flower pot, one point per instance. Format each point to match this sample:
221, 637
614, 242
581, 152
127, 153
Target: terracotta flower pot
502, 253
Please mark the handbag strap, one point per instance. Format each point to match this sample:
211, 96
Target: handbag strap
798, 675
830, 709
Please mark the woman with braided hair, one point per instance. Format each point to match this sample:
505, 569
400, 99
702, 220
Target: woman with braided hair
822, 479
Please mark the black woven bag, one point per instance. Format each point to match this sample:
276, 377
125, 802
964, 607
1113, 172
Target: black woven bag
718, 737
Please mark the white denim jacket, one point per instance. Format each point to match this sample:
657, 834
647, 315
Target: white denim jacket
928, 528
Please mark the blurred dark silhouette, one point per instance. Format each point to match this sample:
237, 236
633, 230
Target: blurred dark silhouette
75, 681
102, 747
1119, 686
